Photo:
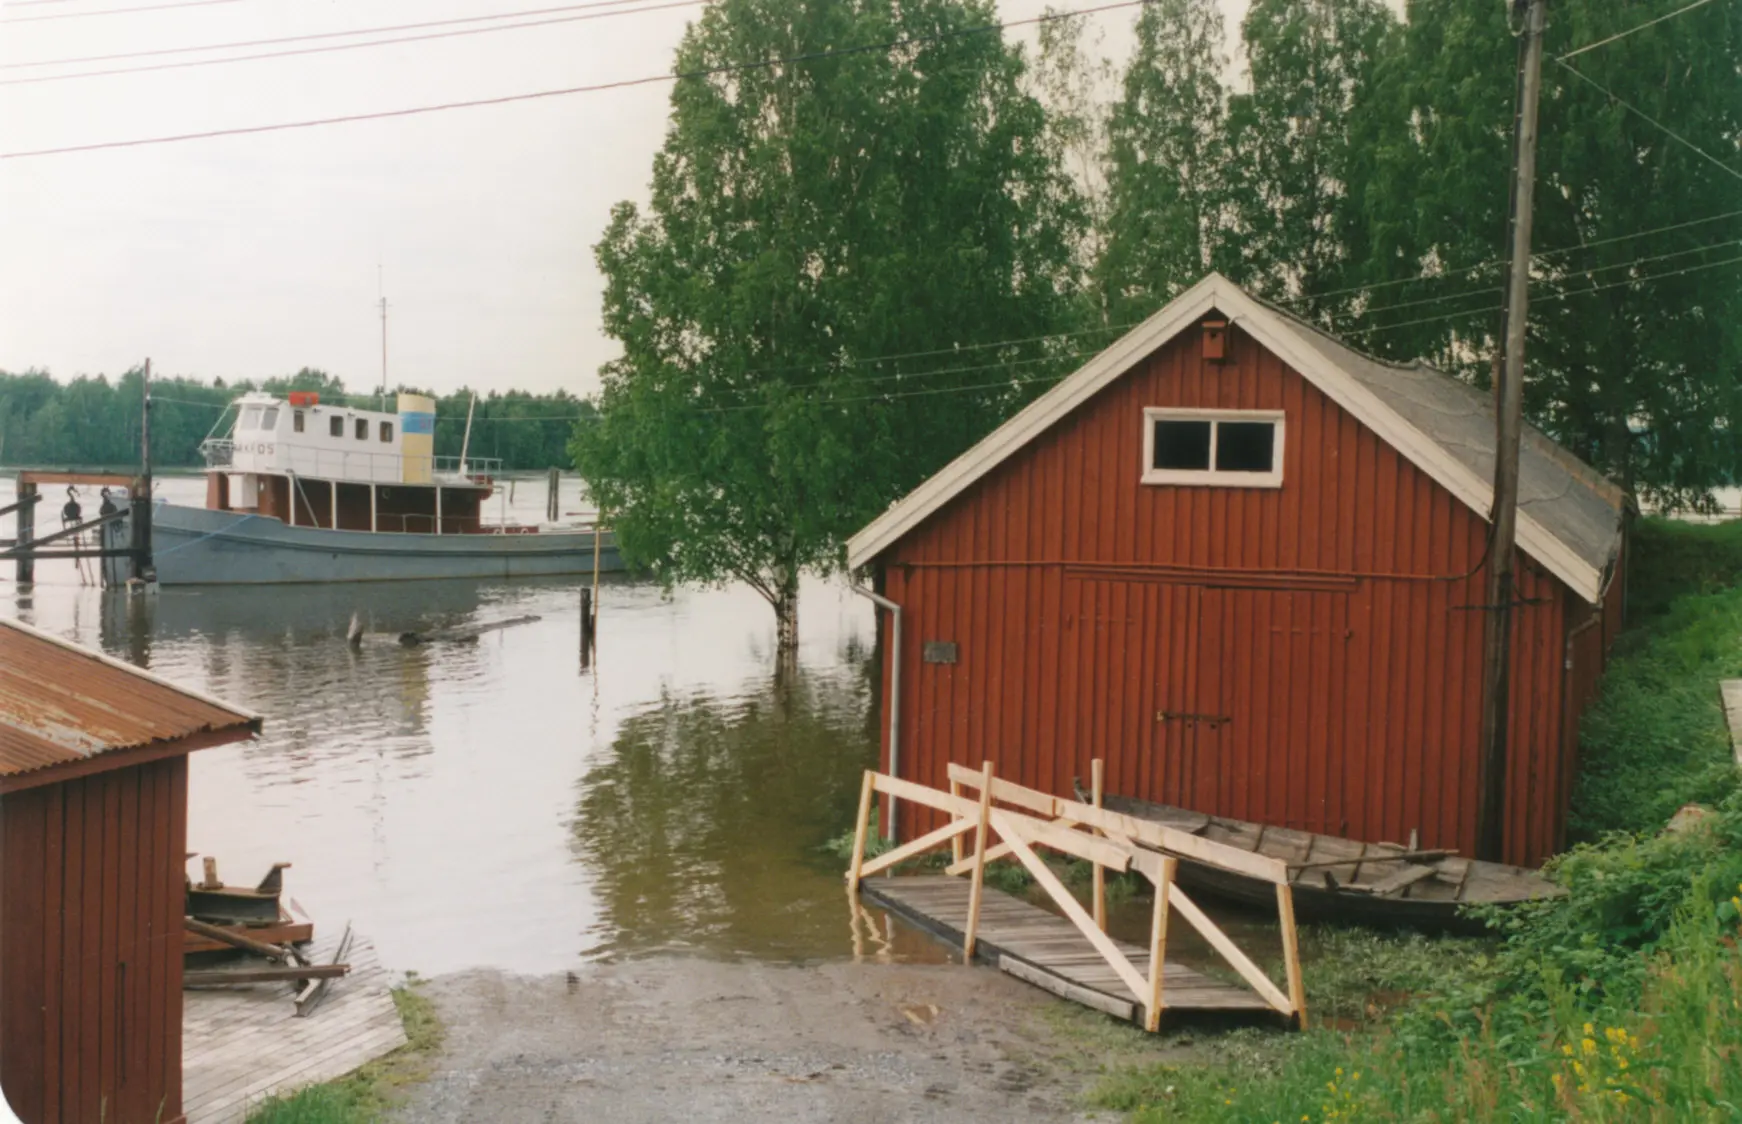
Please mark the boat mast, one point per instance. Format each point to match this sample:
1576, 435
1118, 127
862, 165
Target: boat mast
466, 441
382, 294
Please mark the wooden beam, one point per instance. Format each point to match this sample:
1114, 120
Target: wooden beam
1291, 954
951, 832
46, 477
23, 501
67, 533
977, 888
1107, 852
235, 940
1230, 951
289, 973
1158, 947
1097, 778
1005, 824
860, 825
1082, 846
999, 851
1147, 832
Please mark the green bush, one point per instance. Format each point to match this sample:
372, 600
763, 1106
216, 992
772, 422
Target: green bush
1670, 558
1655, 737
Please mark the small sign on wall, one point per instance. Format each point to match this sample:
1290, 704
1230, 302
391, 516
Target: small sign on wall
940, 651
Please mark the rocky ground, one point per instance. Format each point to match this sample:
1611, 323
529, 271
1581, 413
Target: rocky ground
690, 1040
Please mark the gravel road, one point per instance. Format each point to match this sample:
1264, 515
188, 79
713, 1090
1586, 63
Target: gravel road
692, 1040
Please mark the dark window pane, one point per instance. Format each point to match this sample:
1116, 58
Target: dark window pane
362, 429
1182, 444
336, 426
1246, 447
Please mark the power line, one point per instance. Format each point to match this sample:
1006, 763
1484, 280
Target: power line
1502, 261
116, 11
705, 72
452, 34
1640, 113
245, 43
1624, 34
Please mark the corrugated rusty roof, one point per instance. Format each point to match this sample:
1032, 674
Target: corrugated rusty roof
60, 703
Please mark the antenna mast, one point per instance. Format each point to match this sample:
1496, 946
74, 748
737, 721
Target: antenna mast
382, 293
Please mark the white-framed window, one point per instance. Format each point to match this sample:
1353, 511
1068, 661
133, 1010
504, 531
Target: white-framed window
1221, 448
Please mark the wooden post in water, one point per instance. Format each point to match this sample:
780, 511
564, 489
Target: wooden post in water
861, 827
26, 532
139, 505
977, 889
586, 627
551, 506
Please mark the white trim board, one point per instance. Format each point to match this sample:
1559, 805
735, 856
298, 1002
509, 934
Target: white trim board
1280, 336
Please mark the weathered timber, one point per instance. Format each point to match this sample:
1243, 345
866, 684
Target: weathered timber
464, 633
289, 973
316, 990
235, 939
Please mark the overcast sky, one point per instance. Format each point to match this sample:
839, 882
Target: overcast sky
251, 256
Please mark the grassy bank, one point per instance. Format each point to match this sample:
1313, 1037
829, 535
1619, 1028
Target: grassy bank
1620, 1001
365, 1095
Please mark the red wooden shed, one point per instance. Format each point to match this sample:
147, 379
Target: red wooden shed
93, 837
1243, 563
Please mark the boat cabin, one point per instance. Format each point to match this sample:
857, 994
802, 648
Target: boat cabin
334, 466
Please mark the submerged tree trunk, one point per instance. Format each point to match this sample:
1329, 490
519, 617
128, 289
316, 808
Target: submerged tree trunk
786, 616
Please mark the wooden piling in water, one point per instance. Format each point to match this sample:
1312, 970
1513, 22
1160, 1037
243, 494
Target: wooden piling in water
587, 626
27, 497
552, 507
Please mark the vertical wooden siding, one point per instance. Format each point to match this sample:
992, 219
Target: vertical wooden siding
90, 947
1330, 627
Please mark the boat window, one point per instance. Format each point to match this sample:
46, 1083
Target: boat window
296, 421
269, 421
336, 426
1224, 448
250, 418
362, 429
387, 431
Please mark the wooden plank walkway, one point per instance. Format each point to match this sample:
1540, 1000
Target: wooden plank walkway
241, 1044
1047, 950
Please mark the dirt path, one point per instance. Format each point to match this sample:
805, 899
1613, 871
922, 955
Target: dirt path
694, 1041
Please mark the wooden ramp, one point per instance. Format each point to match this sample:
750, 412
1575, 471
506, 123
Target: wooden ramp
1047, 950
1070, 952
242, 1044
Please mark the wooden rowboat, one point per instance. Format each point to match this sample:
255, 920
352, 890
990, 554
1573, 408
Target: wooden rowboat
1386, 885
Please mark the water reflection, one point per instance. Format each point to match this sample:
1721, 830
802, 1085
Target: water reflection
704, 826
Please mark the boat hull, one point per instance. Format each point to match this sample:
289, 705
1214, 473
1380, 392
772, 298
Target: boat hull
1432, 906
197, 546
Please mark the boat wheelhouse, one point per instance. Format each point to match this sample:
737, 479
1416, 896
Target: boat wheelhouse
306, 491
334, 466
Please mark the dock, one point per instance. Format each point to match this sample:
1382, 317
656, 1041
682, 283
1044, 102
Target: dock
1044, 949
1067, 949
243, 1044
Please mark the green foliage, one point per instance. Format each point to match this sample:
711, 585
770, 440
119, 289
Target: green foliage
1166, 161
1613, 345
1670, 558
93, 422
805, 216
1655, 738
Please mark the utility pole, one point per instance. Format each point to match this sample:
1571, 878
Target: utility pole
1509, 422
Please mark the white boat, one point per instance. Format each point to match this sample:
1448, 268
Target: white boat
302, 491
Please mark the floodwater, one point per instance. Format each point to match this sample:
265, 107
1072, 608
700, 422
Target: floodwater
492, 804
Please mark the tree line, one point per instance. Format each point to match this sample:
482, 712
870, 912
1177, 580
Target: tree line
876, 230
93, 421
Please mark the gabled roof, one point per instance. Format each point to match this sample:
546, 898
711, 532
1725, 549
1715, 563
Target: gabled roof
61, 704
1569, 517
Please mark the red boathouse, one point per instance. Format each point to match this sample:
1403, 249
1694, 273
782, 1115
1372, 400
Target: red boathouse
1244, 564
93, 850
